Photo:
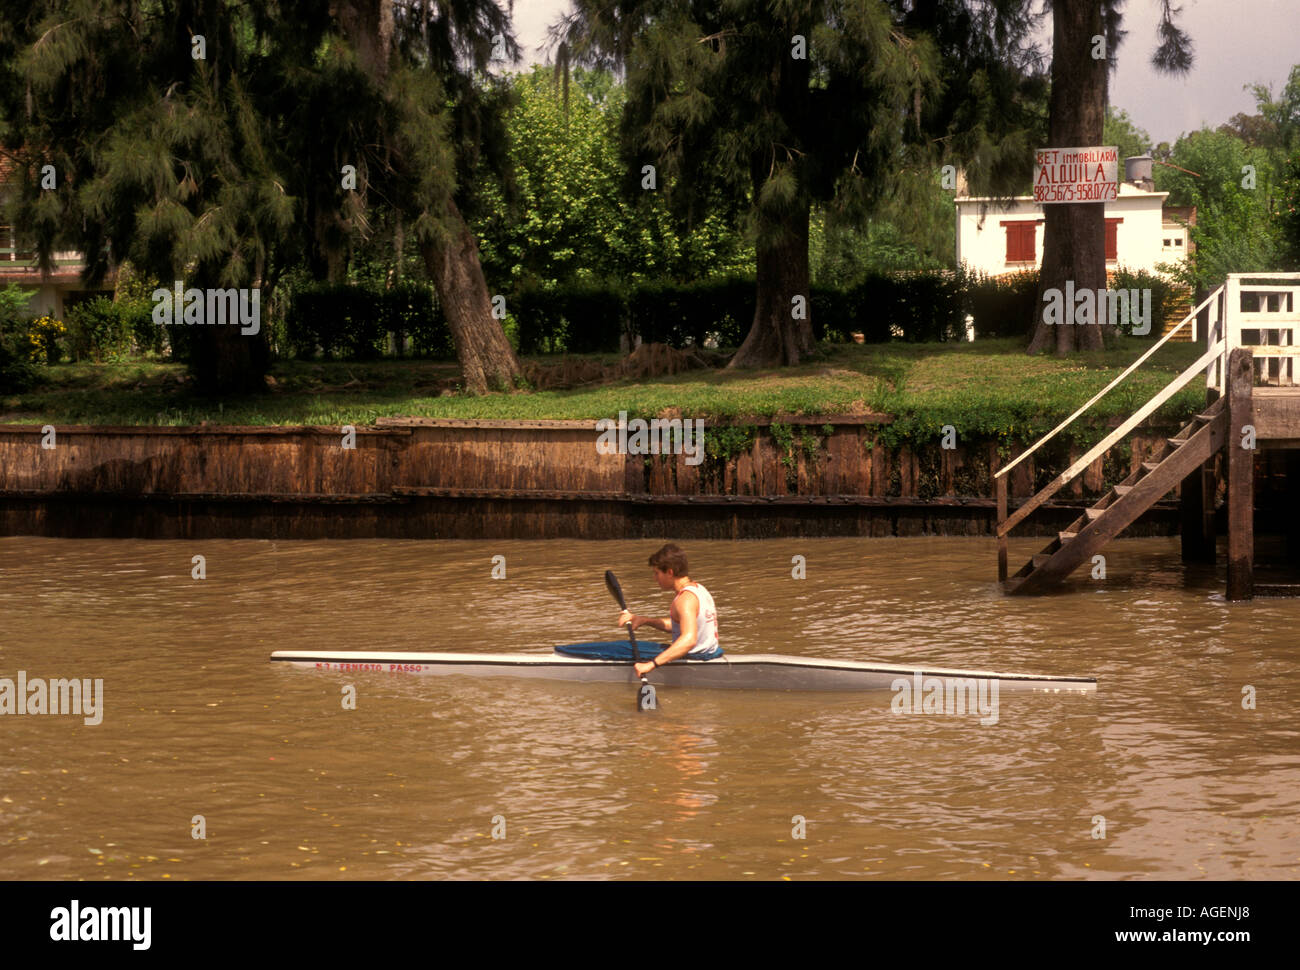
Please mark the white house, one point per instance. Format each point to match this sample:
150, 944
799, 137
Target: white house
1141, 230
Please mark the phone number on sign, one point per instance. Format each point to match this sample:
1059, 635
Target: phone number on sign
1076, 193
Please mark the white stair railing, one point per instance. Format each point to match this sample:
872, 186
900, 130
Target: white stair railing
1270, 332
1106, 390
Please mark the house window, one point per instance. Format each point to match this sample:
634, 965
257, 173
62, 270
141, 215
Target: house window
1112, 249
1020, 240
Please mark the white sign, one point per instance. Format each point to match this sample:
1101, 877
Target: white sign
1076, 174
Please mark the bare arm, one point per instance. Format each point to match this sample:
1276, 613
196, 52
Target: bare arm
665, 624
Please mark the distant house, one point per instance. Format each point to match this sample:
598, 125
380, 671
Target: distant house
1141, 230
54, 291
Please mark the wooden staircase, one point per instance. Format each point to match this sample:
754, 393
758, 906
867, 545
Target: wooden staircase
1252, 322
1177, 458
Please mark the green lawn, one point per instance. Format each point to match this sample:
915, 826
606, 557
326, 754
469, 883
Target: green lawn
988, 387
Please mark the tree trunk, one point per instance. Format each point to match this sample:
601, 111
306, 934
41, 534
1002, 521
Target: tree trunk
781, 333
225, 361
222, 358
1074, 236
486, 358
369, 25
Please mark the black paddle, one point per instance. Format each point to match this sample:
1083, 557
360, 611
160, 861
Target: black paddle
617, 592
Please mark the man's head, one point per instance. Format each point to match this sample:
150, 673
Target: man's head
669, 564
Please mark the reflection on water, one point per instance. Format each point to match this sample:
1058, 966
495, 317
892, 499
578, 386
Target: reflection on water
414, 782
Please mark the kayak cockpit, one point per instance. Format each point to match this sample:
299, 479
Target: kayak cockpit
622, 651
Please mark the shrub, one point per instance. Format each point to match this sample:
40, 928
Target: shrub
338, 319
1003, 306
836, 313
916, 307
922, 306
681, 314
1163, 297
17, 373
348, 320
725, 307
411, 310
16, 370
667, 313
541, 324
581, 318
98, 328
134, 299
13, 309
46, 336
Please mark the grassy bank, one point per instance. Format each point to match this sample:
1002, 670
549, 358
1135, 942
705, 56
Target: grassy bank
989, 387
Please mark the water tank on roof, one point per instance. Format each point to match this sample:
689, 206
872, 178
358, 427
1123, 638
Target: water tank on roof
1137, 169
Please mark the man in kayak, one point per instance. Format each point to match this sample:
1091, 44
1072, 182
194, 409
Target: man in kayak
692, 619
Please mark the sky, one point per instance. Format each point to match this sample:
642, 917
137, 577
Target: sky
1236, 43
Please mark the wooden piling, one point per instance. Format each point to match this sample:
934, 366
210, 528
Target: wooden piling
1002, 539
1241, 478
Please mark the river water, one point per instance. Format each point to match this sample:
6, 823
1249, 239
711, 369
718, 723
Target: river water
200, 732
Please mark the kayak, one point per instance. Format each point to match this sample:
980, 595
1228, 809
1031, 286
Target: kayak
582, 662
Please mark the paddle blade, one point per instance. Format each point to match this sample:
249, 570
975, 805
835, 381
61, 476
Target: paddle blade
615, 590
646, 699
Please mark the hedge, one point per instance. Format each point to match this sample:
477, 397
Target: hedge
916, 307
579, 319
343, 320
353, 321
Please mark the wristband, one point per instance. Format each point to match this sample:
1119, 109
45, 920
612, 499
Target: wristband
655, 661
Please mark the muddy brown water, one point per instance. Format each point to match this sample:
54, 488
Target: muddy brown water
416, 781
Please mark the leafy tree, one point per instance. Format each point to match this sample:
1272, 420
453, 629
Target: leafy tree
842, 256
1235, 229
773, 108
1273, 136
1289, 216
1277, 123
569, 220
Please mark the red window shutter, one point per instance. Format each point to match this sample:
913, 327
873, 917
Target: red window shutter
1027, 238
1020, 241
1112, 249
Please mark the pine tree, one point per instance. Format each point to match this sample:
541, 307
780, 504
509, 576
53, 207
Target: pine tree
1074, 234
780, 105
141, 137
456, 42
206, 140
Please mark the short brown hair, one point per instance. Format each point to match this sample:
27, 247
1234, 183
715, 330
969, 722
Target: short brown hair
670, 559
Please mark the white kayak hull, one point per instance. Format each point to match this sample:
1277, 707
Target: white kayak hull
747, 672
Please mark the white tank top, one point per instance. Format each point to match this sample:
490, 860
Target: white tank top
706, 622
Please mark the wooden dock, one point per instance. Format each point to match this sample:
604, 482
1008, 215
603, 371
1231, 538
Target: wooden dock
1251, 421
